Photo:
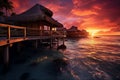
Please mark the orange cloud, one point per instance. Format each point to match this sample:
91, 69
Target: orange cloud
20, 6
77, 12
96, 7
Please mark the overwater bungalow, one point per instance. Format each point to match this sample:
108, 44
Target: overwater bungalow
33, 25
35, 18
73, 32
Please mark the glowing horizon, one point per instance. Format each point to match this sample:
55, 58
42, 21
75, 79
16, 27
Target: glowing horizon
93, 32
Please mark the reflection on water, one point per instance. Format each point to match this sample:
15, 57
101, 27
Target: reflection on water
94, 58
38, 60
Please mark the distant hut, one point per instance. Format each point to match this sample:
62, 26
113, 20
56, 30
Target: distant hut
75, 33
73, 29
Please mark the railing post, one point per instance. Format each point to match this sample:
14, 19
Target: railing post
25, 34
6, 51
7, 46
40, 34
8, 34
42, 30
50, 37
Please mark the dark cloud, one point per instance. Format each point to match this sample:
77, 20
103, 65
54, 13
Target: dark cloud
110, 10
103, 12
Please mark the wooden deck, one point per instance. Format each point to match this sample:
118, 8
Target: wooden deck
11, 34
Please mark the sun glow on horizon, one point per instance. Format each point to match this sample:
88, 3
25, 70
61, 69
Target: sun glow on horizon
93, 32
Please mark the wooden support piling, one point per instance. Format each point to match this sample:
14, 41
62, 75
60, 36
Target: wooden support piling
18, 47
57, 42
36, 44
6, 56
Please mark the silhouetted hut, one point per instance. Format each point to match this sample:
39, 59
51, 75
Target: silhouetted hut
73, 32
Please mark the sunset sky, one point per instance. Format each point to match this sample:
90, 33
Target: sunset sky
102, 16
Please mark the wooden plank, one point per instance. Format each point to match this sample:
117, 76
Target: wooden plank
3, 42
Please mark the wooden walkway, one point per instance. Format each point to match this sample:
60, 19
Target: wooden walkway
10, 34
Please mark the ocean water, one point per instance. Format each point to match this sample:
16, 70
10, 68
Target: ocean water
94, 58
87, 58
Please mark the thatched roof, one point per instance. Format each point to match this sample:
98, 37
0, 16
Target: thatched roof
36, 13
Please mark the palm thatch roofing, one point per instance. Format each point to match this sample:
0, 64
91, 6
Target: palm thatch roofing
37, 13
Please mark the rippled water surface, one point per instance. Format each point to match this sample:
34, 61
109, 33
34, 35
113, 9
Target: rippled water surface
94, 58
88, 59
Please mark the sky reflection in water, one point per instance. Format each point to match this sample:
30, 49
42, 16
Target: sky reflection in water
94, 58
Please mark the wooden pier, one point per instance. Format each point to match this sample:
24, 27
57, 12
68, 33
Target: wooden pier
7, 38
10, 34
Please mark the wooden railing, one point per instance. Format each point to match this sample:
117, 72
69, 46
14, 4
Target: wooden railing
18, 33
10, 30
